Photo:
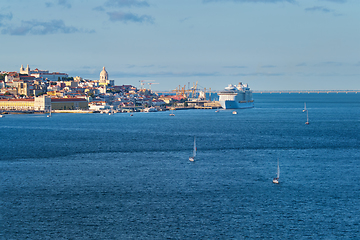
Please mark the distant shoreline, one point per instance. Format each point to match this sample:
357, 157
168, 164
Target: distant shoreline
281, 91
307, 91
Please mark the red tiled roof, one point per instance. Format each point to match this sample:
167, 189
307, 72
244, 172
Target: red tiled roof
17, 100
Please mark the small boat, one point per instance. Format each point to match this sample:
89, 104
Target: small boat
192, 158
131, 115
49, 115
307, 117
217, 110
304, 110
150, 109
276, 180
172, 113
1, 116
234, 112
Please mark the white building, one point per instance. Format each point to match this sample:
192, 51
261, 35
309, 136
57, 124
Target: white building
42, 103
44, 74
104, 78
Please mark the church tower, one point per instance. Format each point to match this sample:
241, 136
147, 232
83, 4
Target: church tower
104, 76
27, 69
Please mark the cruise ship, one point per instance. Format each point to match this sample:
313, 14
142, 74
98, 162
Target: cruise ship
239, 96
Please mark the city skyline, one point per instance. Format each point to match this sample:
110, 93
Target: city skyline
269, 44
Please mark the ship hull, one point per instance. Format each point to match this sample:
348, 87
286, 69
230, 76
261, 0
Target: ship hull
227, 104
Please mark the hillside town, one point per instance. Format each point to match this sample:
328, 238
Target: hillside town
43, 91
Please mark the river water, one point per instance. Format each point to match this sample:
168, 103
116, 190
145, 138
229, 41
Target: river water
95, 176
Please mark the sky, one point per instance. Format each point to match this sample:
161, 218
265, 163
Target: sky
269, 44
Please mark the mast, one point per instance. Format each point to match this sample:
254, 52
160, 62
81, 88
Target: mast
307, 117
194, 153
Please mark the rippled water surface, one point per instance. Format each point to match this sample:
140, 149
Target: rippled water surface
93, 176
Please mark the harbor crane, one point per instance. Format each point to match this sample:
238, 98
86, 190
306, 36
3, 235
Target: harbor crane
151, 83
180, 91
186, 93
193, 89
143, 82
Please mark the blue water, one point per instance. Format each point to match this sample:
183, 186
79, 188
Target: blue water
93, 176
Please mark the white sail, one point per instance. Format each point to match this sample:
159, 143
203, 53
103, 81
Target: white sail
192, 158
307, 116
278, 170
194, 153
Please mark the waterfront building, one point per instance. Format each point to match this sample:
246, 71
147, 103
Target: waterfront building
99, 105
41, 103
157, 103
26, 104
69, 104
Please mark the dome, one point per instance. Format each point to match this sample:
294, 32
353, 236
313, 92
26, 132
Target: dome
104, 75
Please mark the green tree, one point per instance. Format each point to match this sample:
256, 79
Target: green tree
2, 77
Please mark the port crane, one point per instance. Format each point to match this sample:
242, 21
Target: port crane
180, 90
193, 89
186, 93
151, 83
143, 82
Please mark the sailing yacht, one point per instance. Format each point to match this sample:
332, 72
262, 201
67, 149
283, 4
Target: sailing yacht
192, 158
307, 117
304, 110
49, 112
276, 180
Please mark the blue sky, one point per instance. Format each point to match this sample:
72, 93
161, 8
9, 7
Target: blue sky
269, 44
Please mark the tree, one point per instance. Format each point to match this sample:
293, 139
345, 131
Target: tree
2, 77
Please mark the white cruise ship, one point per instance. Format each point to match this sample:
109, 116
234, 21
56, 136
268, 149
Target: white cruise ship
239, 96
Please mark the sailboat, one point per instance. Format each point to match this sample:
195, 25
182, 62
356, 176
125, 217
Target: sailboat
304, 110
276, 180
217, 110
192, 158
307, 117
172, 113
49, 112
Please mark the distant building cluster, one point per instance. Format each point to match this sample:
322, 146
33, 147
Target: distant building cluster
41, 90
